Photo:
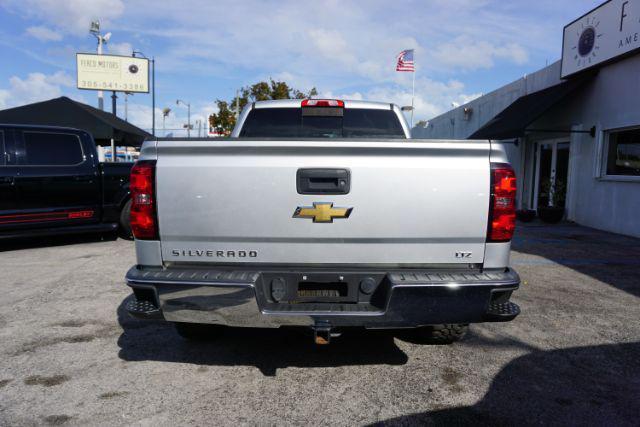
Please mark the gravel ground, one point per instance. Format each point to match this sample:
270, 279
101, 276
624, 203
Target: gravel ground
70, 355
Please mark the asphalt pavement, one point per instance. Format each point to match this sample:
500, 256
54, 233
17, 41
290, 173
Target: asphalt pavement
71, 356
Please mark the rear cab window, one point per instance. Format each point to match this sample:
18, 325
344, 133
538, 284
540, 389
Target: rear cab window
51, 149
322, 123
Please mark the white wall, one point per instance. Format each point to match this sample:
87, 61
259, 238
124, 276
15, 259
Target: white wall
453, 125
610, 100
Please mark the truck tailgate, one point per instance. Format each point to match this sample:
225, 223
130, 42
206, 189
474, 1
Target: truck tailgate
233, 201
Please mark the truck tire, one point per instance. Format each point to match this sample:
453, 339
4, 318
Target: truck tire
441, 334
198, 331
125, 222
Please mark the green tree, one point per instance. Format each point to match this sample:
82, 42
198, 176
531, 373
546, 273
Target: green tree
224, 121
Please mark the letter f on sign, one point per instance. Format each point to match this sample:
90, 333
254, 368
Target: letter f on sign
622, 14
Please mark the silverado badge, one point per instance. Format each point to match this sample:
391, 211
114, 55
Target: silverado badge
321, 212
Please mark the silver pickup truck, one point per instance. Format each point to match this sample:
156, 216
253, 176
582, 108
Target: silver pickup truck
324, 214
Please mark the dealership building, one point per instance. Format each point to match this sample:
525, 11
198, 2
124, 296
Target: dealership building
571, 129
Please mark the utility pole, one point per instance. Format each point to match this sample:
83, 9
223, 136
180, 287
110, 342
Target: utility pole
100, 93
126, 106
95, 30
114, 98
237, 104
178, 101
113, 111
153, 96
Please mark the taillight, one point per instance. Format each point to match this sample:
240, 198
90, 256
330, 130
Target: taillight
322, 103
143, 204
502, 211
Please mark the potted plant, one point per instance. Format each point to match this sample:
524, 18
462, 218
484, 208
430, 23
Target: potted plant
525, 214
556, 195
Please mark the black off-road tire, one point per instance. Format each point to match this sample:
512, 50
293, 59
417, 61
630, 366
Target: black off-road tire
441, 334
125, 222
198, 331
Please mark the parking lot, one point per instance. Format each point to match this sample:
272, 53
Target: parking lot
70, 354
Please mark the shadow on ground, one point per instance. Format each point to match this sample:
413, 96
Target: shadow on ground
607, 257
266, 349
597, 385
50, 241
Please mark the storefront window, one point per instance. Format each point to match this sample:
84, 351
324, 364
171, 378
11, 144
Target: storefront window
623, 157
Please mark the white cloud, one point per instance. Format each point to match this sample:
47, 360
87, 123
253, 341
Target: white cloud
36, 87
68, 16
44, 33
335, 45
468, 98
467, 53
513, 52
332, 46
120, 48
431, 97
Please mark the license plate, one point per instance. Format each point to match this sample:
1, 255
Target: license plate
322, 290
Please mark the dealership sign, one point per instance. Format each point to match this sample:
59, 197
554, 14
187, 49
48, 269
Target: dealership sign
111, 72
607, 32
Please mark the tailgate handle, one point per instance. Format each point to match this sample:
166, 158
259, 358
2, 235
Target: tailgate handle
323, 181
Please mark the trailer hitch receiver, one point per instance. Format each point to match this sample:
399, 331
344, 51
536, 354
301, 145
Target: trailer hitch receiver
322, 332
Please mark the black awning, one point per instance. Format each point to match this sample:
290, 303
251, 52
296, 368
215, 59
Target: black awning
66, 112
513, 120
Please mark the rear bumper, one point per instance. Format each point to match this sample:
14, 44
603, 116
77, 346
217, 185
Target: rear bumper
406, 298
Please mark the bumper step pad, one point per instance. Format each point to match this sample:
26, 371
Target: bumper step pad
444, 278
143, 309
502, 312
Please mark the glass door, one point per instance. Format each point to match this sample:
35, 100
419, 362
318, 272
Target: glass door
552, 159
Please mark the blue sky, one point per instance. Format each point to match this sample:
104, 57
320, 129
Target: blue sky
206, 49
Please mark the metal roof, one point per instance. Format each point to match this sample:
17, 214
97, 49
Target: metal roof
65, 112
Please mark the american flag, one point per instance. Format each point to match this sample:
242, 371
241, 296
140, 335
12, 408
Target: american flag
405, 61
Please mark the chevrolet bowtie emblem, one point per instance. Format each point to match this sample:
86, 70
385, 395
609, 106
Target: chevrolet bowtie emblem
322, 212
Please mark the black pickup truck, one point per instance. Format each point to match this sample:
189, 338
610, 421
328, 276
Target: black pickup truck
52, 182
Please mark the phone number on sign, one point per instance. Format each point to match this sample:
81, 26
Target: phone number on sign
87, 84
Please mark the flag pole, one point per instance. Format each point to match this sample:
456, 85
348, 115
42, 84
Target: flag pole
413, 90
